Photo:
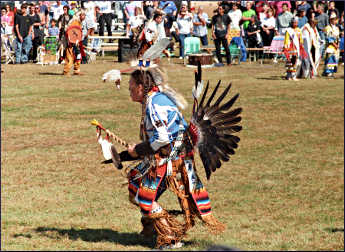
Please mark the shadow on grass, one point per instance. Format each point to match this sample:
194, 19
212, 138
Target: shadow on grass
50, 73
334, 230
97, 235
271, 78
22, 235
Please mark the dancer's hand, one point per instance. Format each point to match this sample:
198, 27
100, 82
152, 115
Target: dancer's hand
131, 150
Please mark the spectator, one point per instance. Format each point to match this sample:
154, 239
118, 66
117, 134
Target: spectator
90, 11
259, 6
105, 17
322, 22
10, 14
227, 6
253, 31
135, 25
235, 15
302, 19
43, 13
38, 33
200, 25
63, 22
148, 9
153, 31
268, 25
283, 20
57, 10
53, 30
331, 8
303, 5
73, 8
246, 15
170, 10
87, 27
185, 27
243, 5
220, 30
130, 8
23, 28
5, 22
263, 14
279, 7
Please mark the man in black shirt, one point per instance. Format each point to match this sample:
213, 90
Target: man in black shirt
38, 33
220, 29
24, 34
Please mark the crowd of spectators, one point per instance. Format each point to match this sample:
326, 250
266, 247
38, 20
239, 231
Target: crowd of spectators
256, 21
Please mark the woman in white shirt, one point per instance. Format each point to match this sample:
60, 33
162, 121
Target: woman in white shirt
235, 15
268, 25
184, 27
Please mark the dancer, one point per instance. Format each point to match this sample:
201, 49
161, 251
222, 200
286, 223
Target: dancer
293, 50
332, 46
312, 46
166, 152
74, 50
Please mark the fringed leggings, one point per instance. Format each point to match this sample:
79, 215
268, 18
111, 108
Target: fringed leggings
185, 183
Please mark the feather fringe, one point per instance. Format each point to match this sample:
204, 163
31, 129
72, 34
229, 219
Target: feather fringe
112, 75
197, 91
177, 98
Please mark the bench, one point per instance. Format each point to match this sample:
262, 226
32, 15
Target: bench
105, 46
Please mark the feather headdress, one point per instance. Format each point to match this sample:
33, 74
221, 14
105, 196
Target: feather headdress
148, 63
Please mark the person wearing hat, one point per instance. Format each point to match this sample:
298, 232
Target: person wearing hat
293, 50
332, 46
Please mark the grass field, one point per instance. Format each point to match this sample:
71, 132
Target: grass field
283, 190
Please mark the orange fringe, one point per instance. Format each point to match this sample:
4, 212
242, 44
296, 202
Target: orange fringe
168, 228
213, 225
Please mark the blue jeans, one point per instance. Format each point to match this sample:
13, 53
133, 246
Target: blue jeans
23, 49
182, 37
203, 40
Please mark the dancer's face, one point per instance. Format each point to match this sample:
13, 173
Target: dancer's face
136, 91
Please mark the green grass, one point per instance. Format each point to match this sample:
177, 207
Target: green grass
283, 190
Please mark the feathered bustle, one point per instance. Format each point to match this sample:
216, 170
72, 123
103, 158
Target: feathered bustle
212, 126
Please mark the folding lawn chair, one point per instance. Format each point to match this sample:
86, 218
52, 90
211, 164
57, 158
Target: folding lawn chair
276, 47
48, 52
8, 48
